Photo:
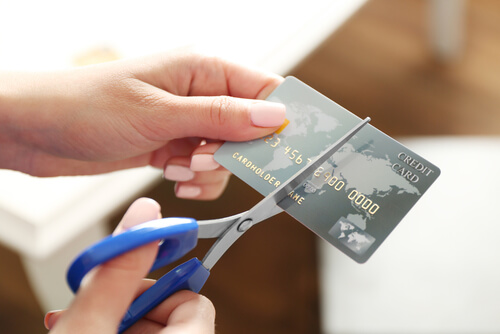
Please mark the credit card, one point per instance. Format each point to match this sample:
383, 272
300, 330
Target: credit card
358, 196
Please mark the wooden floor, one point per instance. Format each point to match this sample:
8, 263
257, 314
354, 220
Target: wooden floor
379, 65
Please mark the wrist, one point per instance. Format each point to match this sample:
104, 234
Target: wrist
23, 103
30, 114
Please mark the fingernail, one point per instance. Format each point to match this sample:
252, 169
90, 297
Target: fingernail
141, 210
203, 162
267, 114
47, 322
185, 191
178, 173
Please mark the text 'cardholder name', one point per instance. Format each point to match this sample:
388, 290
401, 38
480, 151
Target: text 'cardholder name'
358, 196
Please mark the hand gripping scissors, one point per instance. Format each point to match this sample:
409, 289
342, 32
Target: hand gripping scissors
177, 236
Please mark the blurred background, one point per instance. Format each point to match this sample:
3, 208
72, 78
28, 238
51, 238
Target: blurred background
437, 273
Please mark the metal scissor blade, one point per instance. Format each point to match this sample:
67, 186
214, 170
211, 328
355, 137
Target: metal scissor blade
214, 228
267, 207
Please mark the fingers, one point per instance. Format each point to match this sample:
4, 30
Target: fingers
200, 96
212, 76
52, 317
201, 75
108, 290
142, 210
185, 312
199, 176
202, 191
222, 117
200, 185
248, 82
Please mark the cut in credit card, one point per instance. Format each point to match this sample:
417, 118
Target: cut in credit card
358, 196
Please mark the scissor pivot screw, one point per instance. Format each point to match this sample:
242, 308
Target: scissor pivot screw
245, 225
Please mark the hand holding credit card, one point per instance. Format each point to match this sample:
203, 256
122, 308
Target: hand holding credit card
358, 196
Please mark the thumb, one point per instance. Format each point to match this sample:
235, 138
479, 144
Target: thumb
226, 118
108, 290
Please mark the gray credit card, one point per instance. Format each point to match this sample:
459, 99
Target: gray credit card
358, 196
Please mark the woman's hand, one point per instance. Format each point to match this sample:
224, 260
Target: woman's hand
108, 290
158, 111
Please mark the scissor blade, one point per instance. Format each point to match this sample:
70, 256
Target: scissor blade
233, 227
214, 228
265, 207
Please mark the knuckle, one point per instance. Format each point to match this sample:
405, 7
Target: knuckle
220, 109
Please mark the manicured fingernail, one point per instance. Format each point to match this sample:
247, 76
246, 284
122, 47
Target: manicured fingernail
267, 114
178, 173
48, 323
186, 191
136, 213
203, 162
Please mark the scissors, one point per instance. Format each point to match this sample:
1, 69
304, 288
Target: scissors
177, 236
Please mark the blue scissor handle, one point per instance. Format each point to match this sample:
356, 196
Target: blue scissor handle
177, 235
190, 275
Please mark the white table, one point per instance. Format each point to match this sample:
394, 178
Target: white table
49, 220
439, 271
